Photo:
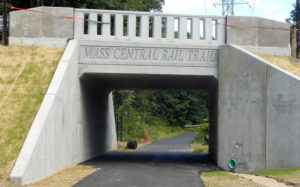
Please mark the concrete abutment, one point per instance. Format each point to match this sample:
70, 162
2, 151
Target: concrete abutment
251, 103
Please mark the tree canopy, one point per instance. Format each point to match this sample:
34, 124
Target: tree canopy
138, 5
175, 107
295, 14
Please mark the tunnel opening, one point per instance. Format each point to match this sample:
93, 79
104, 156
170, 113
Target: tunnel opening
102, 121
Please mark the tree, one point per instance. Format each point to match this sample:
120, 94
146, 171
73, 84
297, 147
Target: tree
138, 5
295, 14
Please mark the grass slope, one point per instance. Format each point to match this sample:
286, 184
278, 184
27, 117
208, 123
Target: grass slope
284, 63
25, 74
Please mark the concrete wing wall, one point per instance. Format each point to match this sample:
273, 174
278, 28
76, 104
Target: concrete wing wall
74, 123
50, 144
283, 120
32, 28
259, 113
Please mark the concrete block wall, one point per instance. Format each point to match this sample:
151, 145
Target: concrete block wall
60, 135
31, 28
258, 113
273, 38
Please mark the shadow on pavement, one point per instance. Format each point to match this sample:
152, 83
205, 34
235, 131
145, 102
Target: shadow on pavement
179, 158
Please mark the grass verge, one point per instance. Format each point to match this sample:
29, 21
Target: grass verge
67, 177
199, 148
25, 74
290, 176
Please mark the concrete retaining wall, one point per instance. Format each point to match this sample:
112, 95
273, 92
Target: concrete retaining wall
258, 113
31, 28
59, 138
265, 40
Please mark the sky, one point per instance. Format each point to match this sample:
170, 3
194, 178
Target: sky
273, 9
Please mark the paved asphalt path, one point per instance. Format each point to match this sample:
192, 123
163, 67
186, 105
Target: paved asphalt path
164, 163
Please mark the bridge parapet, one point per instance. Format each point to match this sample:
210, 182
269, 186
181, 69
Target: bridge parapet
135, 26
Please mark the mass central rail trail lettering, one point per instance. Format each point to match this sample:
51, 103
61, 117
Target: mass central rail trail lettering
148, 54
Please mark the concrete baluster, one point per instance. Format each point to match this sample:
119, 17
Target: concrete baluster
195, 29
131, 26
92, 24
220, 30
208, 29
170, 28
79, 25
106, 27
144, 27
157, 27
182, 28
119, 25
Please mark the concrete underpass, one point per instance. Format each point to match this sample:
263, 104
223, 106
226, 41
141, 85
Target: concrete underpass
254, 106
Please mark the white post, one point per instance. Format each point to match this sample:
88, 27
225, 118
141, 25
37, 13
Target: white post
144, 27
221, 30
78, 25
195, 29
131, 26
119, 25
182, 28
208, 29
106, 27
157, 27
92, 25
170, 28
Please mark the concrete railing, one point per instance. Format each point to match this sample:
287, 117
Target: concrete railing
129, 25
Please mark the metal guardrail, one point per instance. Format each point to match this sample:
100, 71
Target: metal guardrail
133, 26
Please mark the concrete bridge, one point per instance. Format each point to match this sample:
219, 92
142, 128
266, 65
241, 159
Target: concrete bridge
254, 106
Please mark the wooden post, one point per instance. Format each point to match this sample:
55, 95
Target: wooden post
5, 29
294, 41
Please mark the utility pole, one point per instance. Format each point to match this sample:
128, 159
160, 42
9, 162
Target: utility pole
5, 29
228, 5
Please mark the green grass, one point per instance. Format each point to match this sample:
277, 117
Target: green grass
289, 176
199, 148
22, 87
277, 172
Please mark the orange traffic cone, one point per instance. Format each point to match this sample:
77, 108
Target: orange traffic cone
145, 136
